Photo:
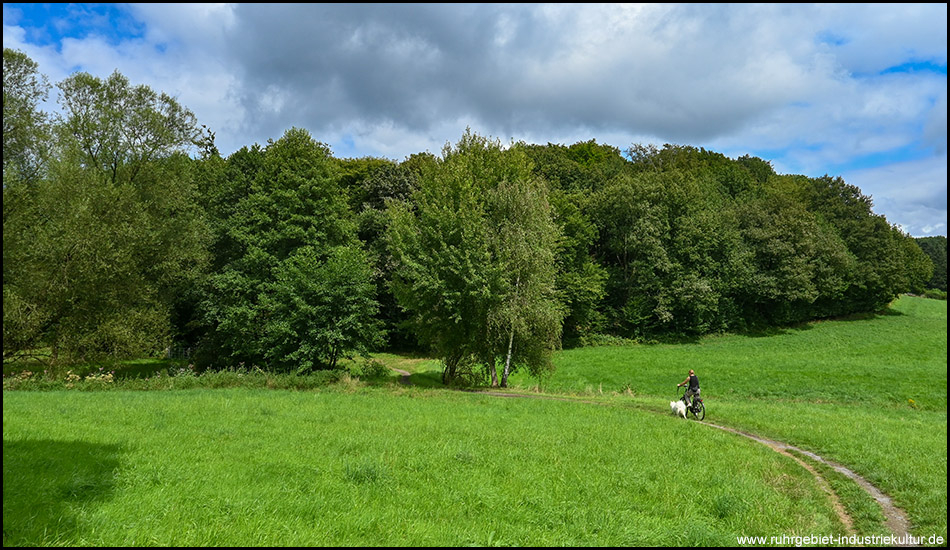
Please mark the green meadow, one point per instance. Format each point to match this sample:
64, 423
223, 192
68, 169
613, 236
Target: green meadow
241, 467
868, 392
367, 464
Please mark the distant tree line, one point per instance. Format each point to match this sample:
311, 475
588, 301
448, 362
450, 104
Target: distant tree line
936, 249
125, 230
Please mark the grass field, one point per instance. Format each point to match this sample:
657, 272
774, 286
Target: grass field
418, 466
378, 467
869, 392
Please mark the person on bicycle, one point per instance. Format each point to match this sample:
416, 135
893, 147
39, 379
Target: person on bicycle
692, 389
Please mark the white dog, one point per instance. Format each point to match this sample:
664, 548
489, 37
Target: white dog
678, 408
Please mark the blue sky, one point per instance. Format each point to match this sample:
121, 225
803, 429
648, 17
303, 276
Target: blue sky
851, 90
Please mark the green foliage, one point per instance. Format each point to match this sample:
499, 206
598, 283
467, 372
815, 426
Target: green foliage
760, 170
117, 128
798, 265
475, 263
96, 252
319, 309
572, 172
117, 243
25, 127
694, 243
524, 243
383, 184
936, 249
354, 174
672, 251
581, 279
294, 292
885, 264
935, 294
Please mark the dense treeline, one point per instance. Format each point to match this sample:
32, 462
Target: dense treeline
126, 230
936, 249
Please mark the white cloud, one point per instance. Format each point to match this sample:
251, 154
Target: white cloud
804, 86
910, 194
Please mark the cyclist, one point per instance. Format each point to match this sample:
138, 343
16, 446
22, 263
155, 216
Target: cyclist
692, 390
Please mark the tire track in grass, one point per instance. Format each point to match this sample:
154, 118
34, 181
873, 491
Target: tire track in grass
894, 518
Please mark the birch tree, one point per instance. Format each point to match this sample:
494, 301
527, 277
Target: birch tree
475, 253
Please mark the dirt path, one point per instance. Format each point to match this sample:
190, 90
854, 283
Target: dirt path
403, 376
895, 518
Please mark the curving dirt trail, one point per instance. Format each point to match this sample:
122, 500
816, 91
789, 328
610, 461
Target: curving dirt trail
895, 518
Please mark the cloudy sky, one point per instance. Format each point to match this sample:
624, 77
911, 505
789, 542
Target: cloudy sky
850, 90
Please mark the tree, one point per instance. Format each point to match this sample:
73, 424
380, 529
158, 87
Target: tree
884, 265
576, 173
633, 228
918, 267
936, 249
672, 251
384, 184
97, 252
320, 307
294, 291
25, 152
474, 261
25, 125
580, 279
119, 128
524, 243
800, 268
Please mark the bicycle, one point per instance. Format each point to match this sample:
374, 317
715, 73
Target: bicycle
697, 408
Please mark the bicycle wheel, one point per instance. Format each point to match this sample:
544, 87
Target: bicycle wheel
699, 410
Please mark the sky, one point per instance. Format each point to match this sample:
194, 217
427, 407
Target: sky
851, 90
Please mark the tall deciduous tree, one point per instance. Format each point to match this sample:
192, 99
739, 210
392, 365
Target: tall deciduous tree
97, 253
526, 326
936, 249
475, 263
294, 291
119, 128
25, 147
25, 125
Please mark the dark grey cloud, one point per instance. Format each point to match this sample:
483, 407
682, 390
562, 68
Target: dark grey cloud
334, 64
852, 89
508, 66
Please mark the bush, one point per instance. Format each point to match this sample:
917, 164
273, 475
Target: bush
173, 378
374, 369
935, 294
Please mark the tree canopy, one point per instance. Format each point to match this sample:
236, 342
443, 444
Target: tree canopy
936, 249
475, 253
125, 231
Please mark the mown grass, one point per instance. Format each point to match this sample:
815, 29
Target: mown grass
867, 392
375, 466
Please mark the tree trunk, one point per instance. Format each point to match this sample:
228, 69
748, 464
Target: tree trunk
504, 375
511, 340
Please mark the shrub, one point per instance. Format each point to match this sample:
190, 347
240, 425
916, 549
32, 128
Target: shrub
935, 294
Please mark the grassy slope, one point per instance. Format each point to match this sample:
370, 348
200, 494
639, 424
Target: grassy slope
234, 467
870, 393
